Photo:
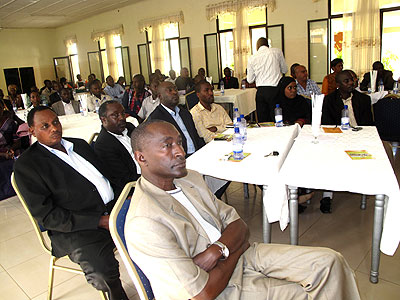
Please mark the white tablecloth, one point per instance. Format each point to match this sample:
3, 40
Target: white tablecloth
244, 100
327, 166
254, 169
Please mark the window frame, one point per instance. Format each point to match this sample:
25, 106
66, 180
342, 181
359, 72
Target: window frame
69, 65
381, 13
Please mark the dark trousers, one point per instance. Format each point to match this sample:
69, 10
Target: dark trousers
95, 255
265, 103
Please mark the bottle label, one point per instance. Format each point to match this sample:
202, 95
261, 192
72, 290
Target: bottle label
345, 122
278, 118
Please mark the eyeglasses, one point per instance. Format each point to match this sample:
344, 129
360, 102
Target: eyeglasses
292, 87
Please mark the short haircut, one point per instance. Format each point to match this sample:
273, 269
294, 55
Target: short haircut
293, 69
33, 111
63, 79
197, 87
336, 61
139, 135
96, 81
376, 64
339, 75
103, 107
46, 81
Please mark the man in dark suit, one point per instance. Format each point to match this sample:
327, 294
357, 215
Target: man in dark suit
113, 145
230, 82
55, 96
179, 117
67, 193
345, 94
385, 75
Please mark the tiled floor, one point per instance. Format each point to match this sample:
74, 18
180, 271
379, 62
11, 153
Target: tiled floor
24, 265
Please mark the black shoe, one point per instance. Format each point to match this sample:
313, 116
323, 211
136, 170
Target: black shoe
301, 208
326, 204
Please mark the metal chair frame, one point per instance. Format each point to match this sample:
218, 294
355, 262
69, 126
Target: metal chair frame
46, 247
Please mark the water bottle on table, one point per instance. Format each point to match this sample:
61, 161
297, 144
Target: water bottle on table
278, 116
395, 87
237, 142
345, 121
97, 106
235, 116
243, 128
243, 84
381, 88
222, 87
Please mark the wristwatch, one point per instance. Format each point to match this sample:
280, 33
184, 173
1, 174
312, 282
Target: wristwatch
224, 249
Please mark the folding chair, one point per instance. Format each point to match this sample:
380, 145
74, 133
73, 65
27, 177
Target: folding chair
47, 248
191, 100
117, 230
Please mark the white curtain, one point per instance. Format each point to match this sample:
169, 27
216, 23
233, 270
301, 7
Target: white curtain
241, 41
363, 47
232, 6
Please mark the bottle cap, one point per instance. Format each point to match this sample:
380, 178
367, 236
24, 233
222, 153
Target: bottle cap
277, 105
239, 119
236, 129
236, 109
345, 107
242, 116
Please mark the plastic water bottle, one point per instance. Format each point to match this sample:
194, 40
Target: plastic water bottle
278, 116
243, 84
97, 106
395, 87
237, 142
15, 108
381, 88
243, 128
222, 87
81, 108
235, 116
345, 118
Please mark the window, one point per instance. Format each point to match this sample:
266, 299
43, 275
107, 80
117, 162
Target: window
73, 54
318, 49
225, 24
390, 31
62, 67
122, 59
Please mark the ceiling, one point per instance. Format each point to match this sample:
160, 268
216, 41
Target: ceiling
52, 13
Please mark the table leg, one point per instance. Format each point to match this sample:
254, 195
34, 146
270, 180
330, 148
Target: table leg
266, 224
363, 204
376, 237
294, 216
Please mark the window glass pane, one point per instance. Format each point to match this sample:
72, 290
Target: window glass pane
117, 40
388, 3
171, 30
226, 21
102, 43
336, 38
212, 56
227, 49
256, 33
126, 63
142, 62
62, 67
318, 50
75, 66
105, 65
390, 42
256, 16
175, 58
118, 57
72, 49
94, 63
275, 37
185, 58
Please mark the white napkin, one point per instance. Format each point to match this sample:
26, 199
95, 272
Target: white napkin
373, 75
316, 102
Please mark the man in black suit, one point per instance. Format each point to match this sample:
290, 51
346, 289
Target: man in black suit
179, 117
67, 193
113, 145
359, 104
383, 75
55, 96
230, 82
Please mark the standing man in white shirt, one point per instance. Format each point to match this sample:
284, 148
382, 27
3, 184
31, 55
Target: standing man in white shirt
265, 67
114, 90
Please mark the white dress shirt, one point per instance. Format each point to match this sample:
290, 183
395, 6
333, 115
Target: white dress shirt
148, 105
85, 168
212, 232
266, 66
91, 101
125, 140
68, 108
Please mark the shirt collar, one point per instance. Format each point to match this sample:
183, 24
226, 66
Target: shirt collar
172, 112
124, 133
67, 145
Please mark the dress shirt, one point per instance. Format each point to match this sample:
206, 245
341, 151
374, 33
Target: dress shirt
116, 92
68, 108
85, 168
266, 67
175, 115
91, 101
203, 119
352, 119
213, 233
311, 88
148, 105
169, 79
125, 140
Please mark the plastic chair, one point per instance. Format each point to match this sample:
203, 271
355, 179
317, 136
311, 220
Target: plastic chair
45, 245
191, 100
117, 230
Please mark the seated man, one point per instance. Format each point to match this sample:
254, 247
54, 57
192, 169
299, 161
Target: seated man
193, 246
209, 118
46, 90
67, 105
134, 97
179, 117
65, 189
305, 86
229, 81
184, 82
55, 96
113, 145
383, 75
151, 102
172, 76
114, 90
96, 95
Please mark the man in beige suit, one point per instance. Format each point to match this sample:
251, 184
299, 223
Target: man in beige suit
67, 105
193, 246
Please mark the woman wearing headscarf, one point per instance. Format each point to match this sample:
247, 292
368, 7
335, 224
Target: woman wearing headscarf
295, 108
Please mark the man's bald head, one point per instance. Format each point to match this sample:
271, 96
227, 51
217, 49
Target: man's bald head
261, 42
142, 133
